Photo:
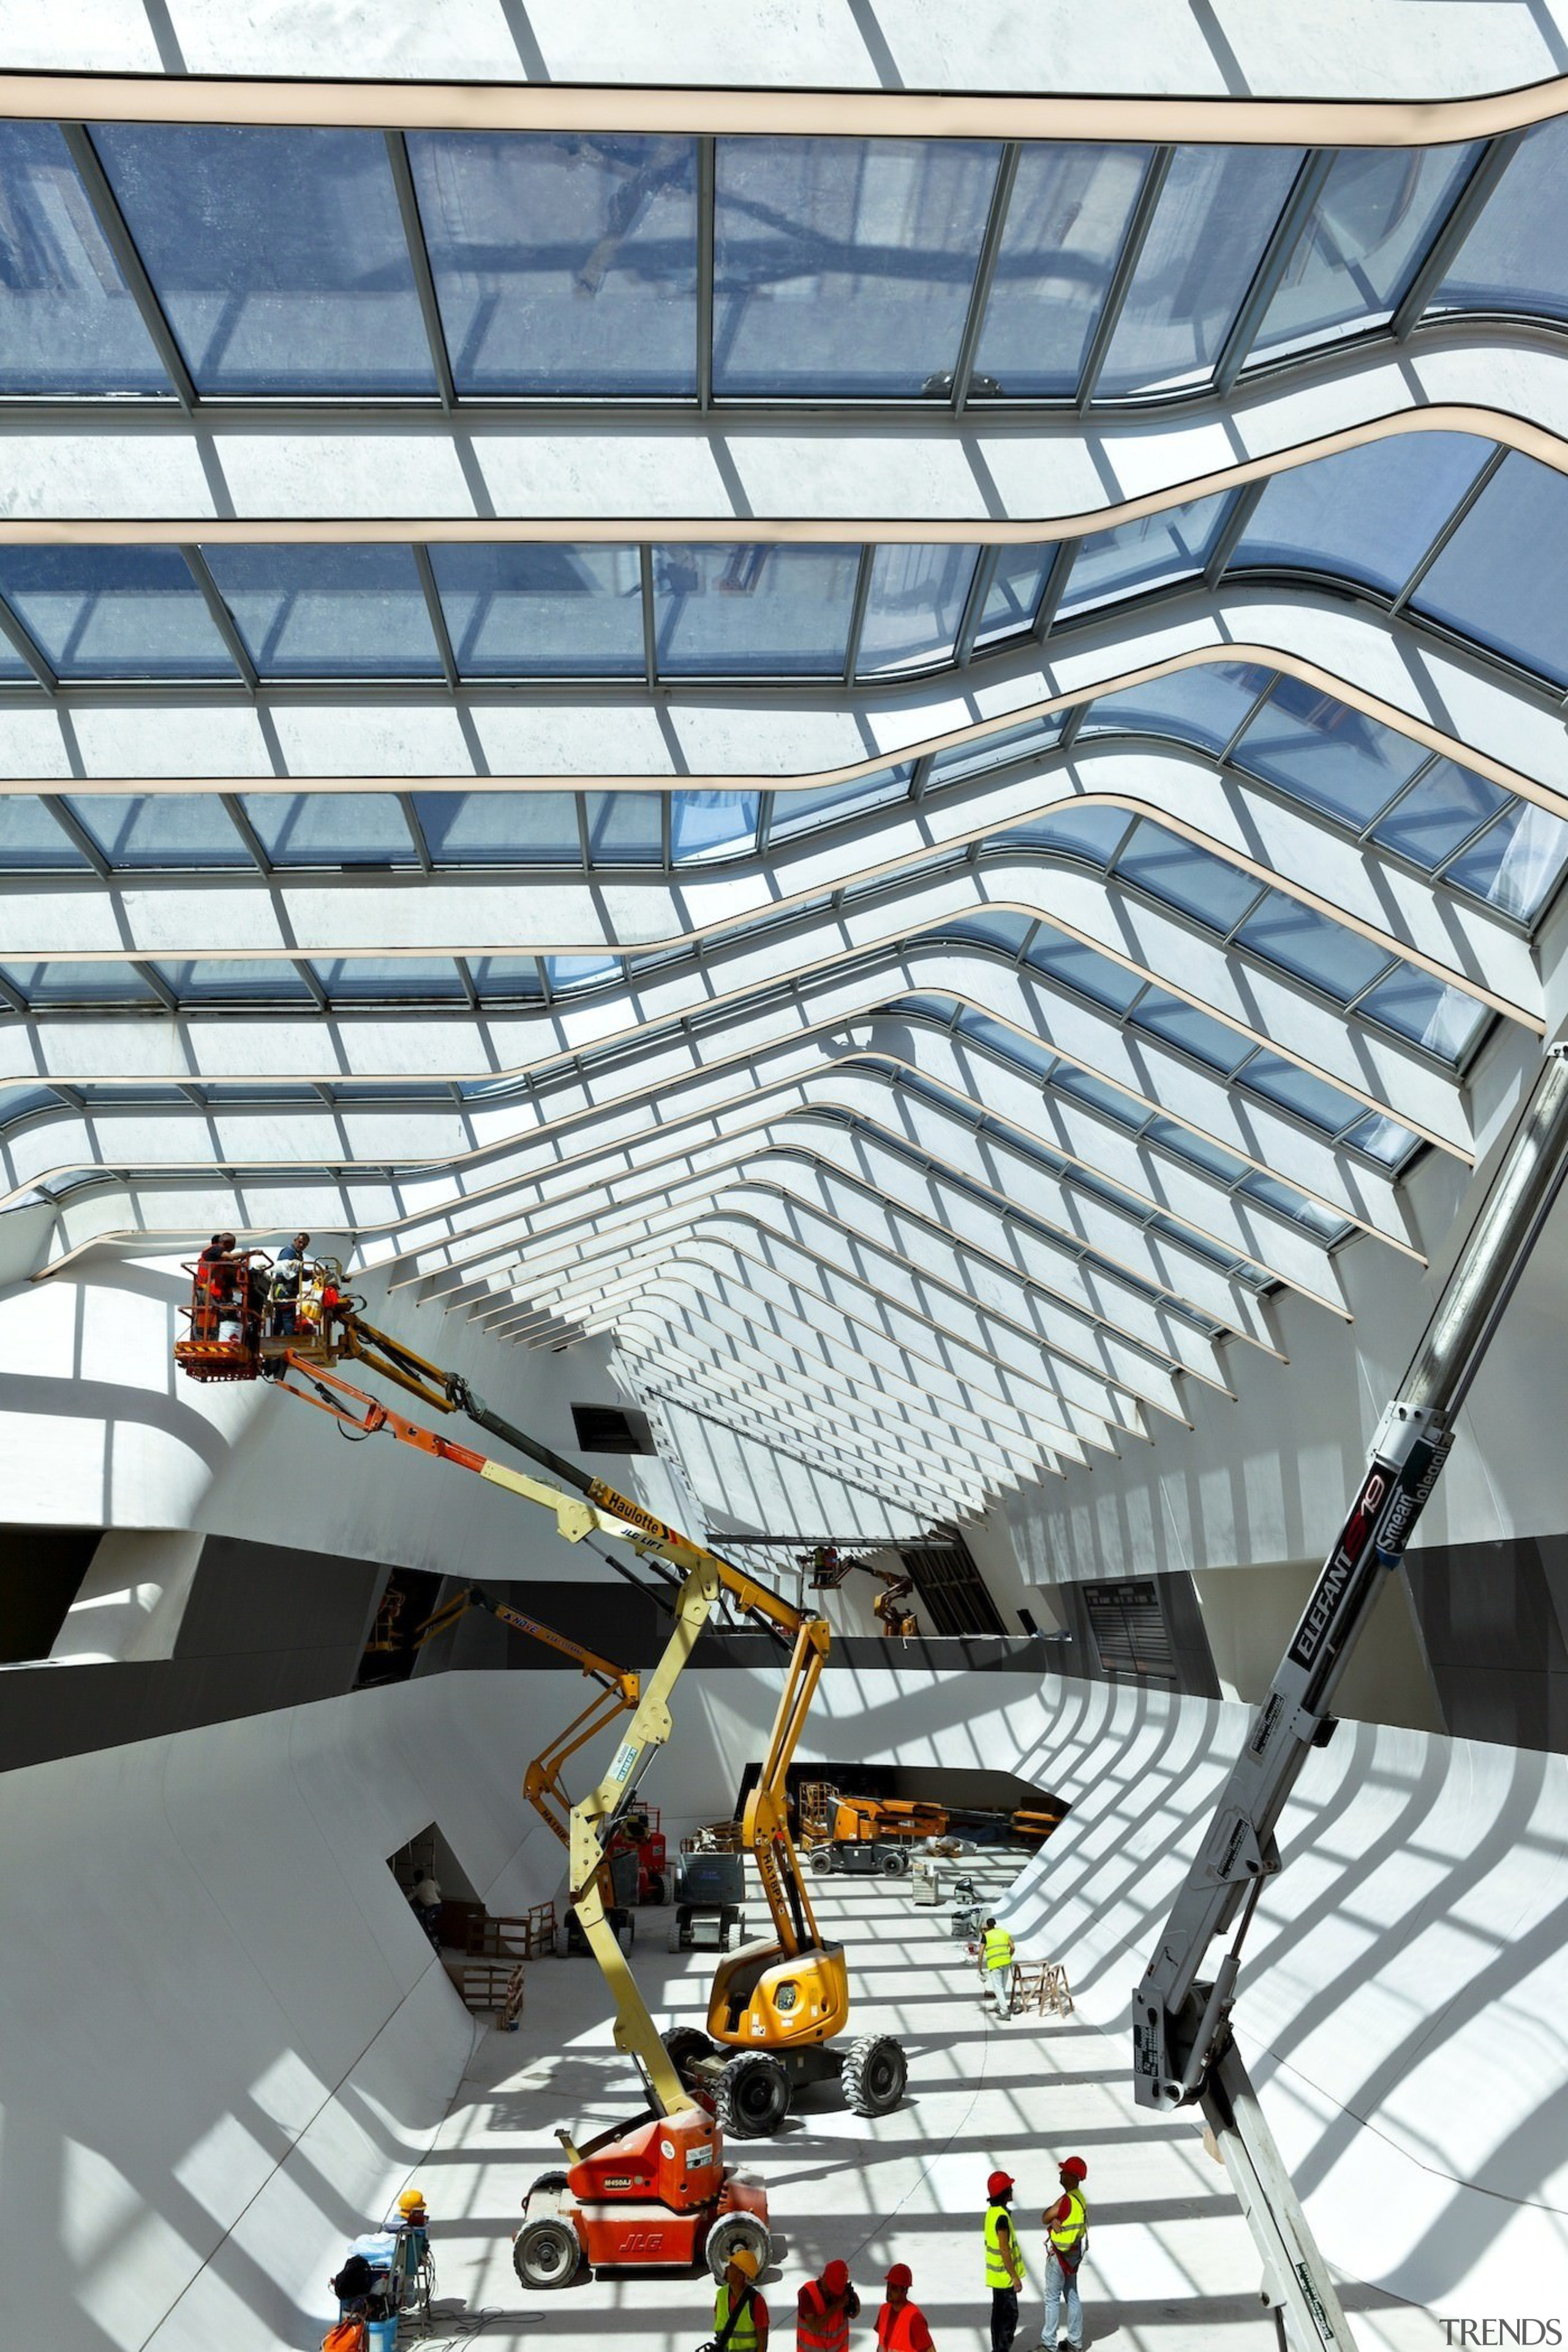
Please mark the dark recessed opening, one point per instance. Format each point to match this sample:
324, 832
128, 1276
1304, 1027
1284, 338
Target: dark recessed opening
611, 1429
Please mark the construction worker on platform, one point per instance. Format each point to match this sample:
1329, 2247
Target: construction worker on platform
1004, 2262
740, 2315
900, 2323
823, 2311
1067, 2241
996, 1958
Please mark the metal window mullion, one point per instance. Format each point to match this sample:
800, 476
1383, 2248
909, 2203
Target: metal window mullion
706, 208
415, 832
223, 620
1285, 236
77, 834
1362, 835
1227, 754
985, 273
437, 616
466, 980
1054, 590
21, 641
234, 808
1353, 1004
922, 776
764, 823
974, 605
857, 611
1439, 873
1447, 531
585, 845
306, 973
419, 262
12, 996
650, 631
1072, 727
1463, 214
1121, 277
1230, 938
155, 981
666, 834
1242, 509
117, 236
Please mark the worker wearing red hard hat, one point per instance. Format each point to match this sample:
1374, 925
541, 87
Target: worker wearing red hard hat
1066, 2242
1004, 2262
823, 2311
900, 2323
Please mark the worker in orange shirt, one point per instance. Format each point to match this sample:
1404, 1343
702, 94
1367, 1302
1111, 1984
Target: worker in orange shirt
900, 2323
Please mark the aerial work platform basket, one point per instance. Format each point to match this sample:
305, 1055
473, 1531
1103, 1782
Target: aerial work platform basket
248, 1310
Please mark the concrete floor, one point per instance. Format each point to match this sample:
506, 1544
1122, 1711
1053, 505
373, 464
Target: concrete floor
1170, 2262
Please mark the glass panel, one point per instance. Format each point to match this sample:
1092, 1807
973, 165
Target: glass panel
331, 828
1374, 220
1319, 750
712, 825
1435, 815
30, 837
1068, 214
499, 828
1322, 1222
917, 599
1311, 1098
1515, 257
1024, 1053
564, 265
219, 979
1196, 1150
1092, 975
799, 812
542, 611
356, 978
626, 828
1081, 828
744, 611
1013, 596
1301, 940
1203, 706
114, 612
21, 1102
278, 255
1419, 1006
569, 972
929, 1008
1516, 863
1009, 743
1186, 876
67, 323
1383, 1140
843, 266
500, 976
998, 929
160, 829
1180, 1024
1131, 555
1503, 577
1369, 514
328, 611
81, 984
1216, 214
1113, 1102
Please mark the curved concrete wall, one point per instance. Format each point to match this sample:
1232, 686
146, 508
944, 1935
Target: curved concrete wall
228, 2045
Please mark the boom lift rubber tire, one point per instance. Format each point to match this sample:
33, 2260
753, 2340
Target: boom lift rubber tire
685, 2042
752, 2097
658, 1887
894, 1862
546, 2253
875, 2073
729, 2232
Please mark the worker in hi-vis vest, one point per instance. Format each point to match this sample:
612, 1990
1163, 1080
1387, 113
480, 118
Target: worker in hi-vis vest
1066, 2242
1004, 2262
996, 1959
740, 2315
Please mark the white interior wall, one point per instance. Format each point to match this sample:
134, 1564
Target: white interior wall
229, 2043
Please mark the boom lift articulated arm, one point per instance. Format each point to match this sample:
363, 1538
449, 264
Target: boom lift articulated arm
1182, 2046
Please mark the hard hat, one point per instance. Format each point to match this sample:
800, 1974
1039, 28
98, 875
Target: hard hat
835, 2278
411, 2201
901, 2275
1075, 2168
744, 2258
999, 2184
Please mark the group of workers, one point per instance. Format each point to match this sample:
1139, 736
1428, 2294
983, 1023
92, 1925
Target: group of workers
238, 1299
825, 2306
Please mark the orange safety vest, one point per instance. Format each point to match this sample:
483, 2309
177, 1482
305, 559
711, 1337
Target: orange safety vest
895, 2329
819, 2326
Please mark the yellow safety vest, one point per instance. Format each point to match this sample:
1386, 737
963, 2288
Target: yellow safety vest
743, 2335
998, 1948
997, 2271
1064, 2235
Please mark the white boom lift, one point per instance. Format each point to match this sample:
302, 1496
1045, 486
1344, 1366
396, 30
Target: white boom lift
1183, 2052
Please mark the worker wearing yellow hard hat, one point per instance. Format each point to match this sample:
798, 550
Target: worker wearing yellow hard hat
740, 2315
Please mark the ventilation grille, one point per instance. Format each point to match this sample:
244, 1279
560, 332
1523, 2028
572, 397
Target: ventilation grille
1129, 1628
952, 1594
611, 1429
